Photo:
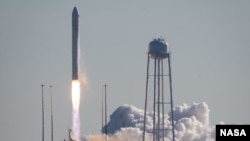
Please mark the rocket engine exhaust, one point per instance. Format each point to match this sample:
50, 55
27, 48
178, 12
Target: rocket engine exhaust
75, 80
75, 107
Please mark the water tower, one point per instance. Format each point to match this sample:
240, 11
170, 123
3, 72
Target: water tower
158, 51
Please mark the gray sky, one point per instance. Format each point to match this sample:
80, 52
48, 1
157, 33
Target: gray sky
209, 43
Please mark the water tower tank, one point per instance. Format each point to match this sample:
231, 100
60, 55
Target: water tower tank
158, 49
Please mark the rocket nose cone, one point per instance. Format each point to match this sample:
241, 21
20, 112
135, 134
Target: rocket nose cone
75, 12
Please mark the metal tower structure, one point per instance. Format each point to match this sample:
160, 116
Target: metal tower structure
51, 111
158, 51
104, 110
42, 114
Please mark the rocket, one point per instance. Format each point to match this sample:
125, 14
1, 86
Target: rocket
75, 43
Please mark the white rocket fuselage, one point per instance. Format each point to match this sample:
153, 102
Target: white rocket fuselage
75, 43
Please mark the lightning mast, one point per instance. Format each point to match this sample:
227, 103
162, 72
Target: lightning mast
42, 114
104, 110
51, 110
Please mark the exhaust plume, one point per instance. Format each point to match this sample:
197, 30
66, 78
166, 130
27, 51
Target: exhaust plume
75, 105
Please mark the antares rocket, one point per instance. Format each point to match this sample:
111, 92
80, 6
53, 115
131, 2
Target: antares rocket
75, 43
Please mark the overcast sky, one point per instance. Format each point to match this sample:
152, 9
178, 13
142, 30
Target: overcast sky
209, 43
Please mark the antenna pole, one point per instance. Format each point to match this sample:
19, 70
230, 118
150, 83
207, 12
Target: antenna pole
42, 114
102, 107
51, 109
106, 129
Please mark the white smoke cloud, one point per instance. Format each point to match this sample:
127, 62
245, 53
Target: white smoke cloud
191, 124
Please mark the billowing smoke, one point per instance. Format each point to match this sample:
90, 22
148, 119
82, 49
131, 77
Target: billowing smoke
191, 124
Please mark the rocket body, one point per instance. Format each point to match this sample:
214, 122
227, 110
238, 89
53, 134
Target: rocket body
75, 43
